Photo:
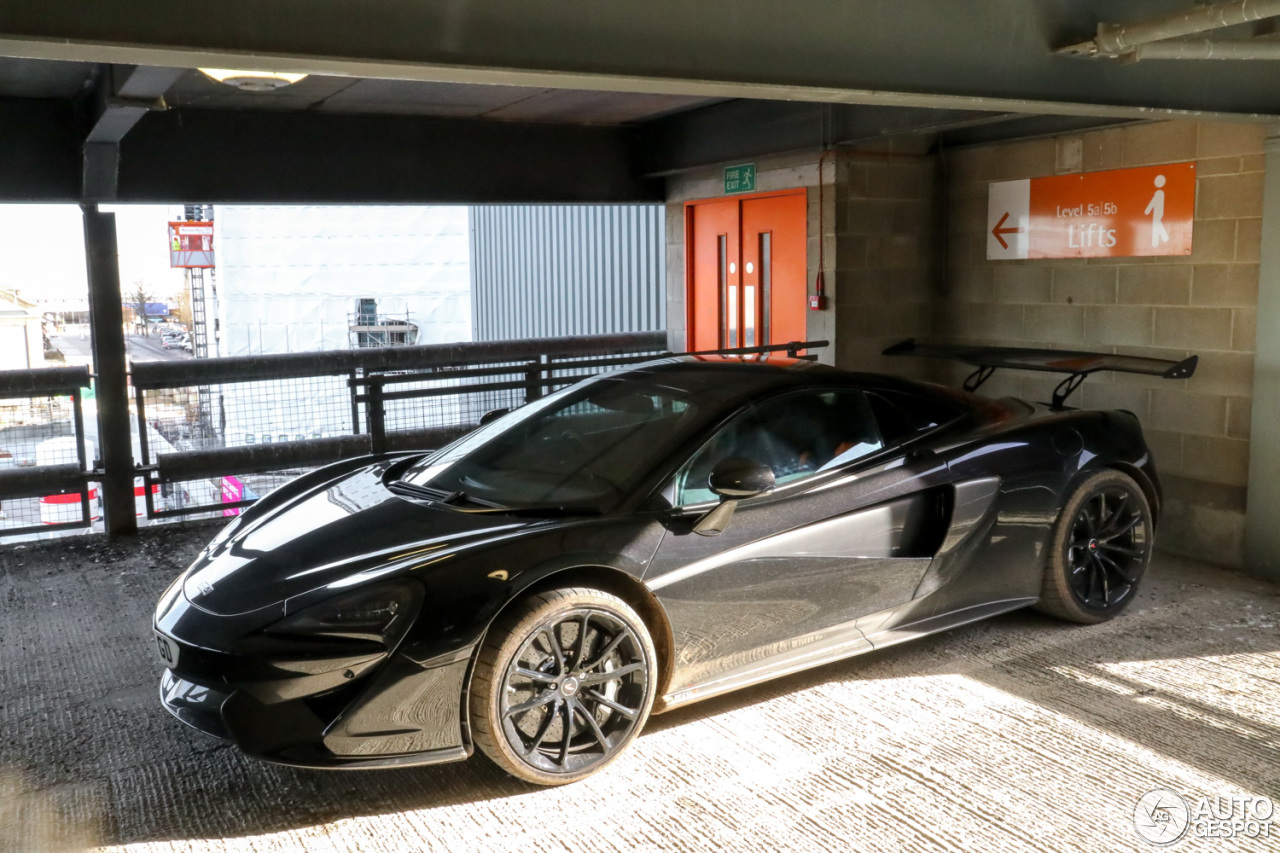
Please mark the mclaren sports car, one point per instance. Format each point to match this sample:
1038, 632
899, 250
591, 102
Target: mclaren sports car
644, 539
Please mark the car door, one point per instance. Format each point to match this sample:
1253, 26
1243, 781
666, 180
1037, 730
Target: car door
849, 531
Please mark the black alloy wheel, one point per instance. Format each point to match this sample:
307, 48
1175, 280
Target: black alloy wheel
1107, 549
563, 685
1101, 547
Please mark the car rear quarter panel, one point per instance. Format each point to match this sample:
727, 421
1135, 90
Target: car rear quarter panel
1039, 461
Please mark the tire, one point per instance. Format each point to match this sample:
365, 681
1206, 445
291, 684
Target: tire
1100, 548
542, 715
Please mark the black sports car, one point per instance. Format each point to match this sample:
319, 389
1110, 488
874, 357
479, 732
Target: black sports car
645, 539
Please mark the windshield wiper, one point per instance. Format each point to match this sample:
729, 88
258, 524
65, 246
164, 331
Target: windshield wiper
463, 497
413, 490
439, 496
553, 511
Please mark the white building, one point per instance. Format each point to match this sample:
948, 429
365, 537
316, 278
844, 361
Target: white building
21, 339
301, 279
290, 279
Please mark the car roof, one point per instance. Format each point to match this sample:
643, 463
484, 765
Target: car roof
728, 379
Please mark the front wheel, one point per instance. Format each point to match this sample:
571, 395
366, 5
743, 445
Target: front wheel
1099, 550
564, 682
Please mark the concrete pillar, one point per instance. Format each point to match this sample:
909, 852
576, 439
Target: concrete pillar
1262, 519
111, 386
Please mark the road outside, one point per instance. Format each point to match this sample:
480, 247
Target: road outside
151, 348
74, 344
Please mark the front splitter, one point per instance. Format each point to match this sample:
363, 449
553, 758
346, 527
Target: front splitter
194, 704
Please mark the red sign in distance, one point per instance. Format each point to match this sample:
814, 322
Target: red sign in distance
191, 245
1115, 214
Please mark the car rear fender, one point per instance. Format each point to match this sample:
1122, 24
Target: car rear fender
1150, 488
1116, 436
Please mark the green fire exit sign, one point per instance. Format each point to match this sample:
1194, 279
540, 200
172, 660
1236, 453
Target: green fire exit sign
740, 179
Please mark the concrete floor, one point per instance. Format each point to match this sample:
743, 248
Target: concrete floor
1015, 734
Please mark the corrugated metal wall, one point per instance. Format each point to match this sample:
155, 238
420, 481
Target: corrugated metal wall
543, 270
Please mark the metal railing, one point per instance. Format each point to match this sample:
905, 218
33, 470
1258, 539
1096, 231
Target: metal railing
213, 435
268, 417
45, 470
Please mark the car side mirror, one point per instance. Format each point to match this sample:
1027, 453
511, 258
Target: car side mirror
733, 479
738, 477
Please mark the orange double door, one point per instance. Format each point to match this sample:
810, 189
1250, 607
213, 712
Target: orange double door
746, 262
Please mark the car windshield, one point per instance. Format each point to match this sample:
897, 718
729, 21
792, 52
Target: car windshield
583, 448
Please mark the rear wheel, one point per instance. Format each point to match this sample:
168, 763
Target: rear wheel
563, 684
1099, 551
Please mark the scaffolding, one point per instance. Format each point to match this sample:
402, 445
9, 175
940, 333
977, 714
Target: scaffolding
200, 331
367, 328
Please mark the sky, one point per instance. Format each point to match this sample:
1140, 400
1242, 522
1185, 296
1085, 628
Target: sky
42, 250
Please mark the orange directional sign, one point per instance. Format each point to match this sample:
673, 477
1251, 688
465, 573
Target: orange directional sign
1115, 214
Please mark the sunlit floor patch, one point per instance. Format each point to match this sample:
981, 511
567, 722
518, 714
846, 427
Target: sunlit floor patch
1229, 687
911, 763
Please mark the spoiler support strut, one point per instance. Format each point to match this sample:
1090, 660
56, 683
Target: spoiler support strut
1076, 364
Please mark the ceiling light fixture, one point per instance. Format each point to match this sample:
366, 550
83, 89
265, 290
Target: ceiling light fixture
252, 81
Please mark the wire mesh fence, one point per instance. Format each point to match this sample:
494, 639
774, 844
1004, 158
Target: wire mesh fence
231, 415
45, 453
248, 413
33, 433
438, 400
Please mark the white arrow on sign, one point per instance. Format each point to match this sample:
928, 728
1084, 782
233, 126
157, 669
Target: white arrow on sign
1008, 220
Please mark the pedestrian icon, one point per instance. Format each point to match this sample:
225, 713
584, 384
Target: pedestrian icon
1155, 209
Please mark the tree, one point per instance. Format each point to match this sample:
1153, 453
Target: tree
140, 297
184, 309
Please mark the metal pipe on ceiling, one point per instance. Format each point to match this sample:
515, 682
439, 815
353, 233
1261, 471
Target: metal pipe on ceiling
1207, 49
1115, 40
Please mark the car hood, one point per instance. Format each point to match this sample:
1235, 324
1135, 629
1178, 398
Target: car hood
336, 530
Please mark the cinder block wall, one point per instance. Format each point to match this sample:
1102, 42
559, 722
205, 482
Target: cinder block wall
1205, 303
888, 251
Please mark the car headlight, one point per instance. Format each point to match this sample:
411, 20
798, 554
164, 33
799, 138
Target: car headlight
383, 613
170, 595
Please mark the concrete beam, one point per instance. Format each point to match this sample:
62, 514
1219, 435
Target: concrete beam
309, 157
123, 95
744, 130
1024, 127
982, 54
306, 157
40, 150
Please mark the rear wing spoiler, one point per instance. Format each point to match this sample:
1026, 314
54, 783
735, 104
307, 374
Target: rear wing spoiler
1077, 365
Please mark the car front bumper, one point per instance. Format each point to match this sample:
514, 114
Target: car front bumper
403, 713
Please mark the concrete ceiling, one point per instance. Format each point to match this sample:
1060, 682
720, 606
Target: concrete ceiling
996, 54
35, 78
505, 100
444, 100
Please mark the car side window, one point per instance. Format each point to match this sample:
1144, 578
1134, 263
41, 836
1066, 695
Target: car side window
797, 436
900, 416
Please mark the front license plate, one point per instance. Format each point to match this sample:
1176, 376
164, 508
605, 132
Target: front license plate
167, 649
